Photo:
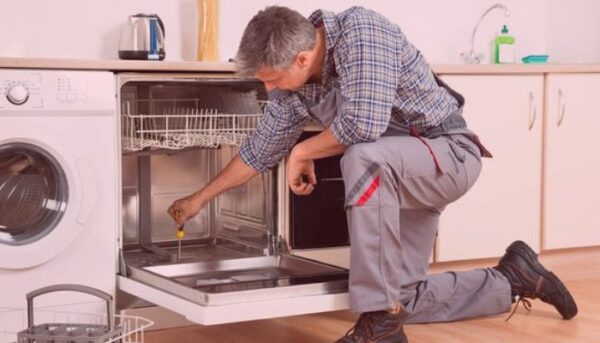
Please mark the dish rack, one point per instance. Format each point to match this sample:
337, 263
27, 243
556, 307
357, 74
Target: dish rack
72, 327
180, 123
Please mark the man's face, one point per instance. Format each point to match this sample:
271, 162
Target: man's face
291, 78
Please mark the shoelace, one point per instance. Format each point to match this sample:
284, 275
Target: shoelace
521, 300
364, 326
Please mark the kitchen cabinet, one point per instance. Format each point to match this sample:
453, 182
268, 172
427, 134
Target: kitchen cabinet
504, 205
572, 163
540, 186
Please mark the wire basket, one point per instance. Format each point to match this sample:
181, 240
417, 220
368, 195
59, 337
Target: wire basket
132, 327
66, 326
181, 123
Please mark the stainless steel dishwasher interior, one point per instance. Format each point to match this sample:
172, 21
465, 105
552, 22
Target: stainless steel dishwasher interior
232, 250
173, 134
227, 281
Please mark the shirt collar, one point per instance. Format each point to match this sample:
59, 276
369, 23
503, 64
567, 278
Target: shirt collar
332, 32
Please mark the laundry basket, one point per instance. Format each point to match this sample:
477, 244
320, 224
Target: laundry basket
79, 327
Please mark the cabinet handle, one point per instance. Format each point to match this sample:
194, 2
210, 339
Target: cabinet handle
532, 110
561, 107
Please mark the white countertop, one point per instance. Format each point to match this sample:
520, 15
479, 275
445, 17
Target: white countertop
115, 65
190, 66
514, 68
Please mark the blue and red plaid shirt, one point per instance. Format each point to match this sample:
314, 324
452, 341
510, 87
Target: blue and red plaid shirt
384, 81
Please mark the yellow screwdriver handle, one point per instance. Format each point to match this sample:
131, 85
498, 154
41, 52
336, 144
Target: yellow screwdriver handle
180, 233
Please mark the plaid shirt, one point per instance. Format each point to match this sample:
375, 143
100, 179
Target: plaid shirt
384, 80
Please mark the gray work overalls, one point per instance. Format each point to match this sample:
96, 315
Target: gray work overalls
396, 188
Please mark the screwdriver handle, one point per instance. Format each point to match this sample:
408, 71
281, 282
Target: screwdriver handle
180, 233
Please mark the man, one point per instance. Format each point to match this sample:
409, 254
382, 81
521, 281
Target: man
407, 154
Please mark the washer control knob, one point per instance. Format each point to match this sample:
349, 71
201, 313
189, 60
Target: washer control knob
17, 94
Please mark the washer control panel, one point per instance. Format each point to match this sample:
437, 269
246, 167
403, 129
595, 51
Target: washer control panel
70, 90
29, 89
21, 91
17, 94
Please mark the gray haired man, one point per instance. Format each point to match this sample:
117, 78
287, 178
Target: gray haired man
407, 154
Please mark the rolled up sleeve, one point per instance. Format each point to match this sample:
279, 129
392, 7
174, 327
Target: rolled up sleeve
276, 133
367, 63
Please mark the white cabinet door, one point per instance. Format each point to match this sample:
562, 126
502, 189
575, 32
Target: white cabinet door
504, 205
572, 161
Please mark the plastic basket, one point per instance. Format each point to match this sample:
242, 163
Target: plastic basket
66, 326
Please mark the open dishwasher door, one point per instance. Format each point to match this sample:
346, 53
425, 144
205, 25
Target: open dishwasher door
241, 289
178, 132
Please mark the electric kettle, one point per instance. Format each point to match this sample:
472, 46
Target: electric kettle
142, 38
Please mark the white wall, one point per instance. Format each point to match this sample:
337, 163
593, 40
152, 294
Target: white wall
573, 31
88, 28
441, 29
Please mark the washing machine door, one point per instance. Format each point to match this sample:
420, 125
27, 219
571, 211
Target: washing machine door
34, 194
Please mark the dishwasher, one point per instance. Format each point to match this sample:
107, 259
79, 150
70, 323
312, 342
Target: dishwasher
236, 261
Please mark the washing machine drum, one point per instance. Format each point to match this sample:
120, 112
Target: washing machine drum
33, 193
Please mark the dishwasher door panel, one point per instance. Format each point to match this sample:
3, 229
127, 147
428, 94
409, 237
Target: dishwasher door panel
240, 289
238, 312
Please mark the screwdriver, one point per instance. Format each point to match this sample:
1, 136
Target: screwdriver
179, 234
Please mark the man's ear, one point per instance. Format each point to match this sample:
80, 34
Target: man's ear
302, 60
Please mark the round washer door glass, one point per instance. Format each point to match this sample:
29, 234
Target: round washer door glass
33, 193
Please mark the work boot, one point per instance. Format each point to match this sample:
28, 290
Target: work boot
376, 327
529, 279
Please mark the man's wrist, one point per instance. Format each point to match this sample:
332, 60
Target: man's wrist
299, 152
198, 197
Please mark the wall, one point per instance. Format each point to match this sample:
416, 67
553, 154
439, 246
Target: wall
88, 28
441, 29
573, 30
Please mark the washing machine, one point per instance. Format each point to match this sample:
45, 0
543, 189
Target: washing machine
58, 184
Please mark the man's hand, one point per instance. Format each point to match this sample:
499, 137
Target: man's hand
300, 166
185, 208
301, 174
235, 173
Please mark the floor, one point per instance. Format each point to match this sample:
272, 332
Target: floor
579, 269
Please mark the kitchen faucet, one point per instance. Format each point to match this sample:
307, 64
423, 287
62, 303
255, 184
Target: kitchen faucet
472, 57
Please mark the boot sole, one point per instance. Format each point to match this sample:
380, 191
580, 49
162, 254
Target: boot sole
394, 339
397, 337
525, 252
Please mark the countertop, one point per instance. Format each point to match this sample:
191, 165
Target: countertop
115, 65
191, 66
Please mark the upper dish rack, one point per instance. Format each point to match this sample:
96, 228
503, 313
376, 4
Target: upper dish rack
182, 123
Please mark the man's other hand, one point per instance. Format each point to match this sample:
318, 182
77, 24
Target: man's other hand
301, 175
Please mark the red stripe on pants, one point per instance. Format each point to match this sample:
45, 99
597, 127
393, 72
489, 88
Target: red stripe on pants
367, 194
